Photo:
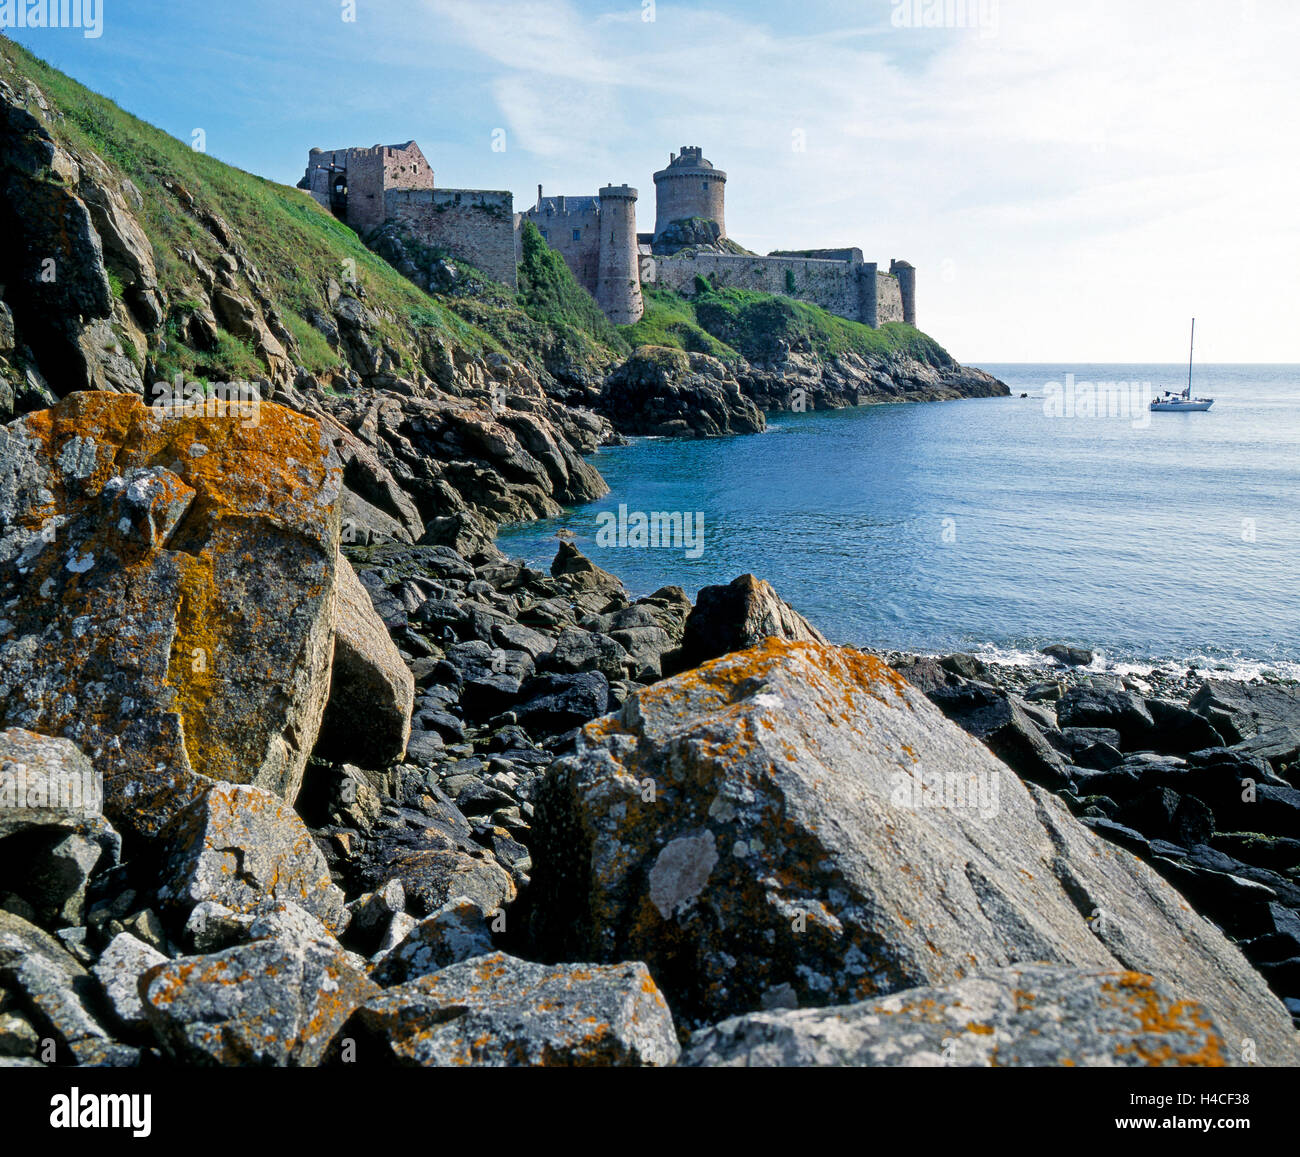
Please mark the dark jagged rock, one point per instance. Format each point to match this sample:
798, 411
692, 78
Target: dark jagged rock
1122, 711
1239, 711
575, 567
1069, 656
669, 393
1178, 730
557, 703
993, 717
576, 651
792, 376
1165, 814
736, 617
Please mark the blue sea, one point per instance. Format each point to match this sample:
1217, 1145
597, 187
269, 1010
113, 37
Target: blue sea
996, 525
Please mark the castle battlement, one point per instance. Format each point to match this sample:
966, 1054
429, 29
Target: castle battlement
689, 188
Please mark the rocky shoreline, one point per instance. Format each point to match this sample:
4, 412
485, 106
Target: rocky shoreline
533, 797
298, 769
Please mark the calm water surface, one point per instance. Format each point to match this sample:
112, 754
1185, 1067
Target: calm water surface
996, 525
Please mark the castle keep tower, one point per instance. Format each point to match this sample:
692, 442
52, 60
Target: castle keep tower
690, 187
618, 285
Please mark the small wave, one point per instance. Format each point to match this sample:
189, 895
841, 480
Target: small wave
1233, 668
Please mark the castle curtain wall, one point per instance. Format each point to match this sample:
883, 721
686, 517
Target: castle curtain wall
474, 225
834, 285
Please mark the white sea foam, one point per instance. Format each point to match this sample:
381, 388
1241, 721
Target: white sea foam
1233, 667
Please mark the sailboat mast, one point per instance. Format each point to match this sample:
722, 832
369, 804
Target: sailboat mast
1191, 350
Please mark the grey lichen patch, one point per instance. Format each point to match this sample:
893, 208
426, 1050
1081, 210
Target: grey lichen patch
681, 871
79, 457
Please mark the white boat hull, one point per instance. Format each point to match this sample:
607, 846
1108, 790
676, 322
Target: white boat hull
1198, 404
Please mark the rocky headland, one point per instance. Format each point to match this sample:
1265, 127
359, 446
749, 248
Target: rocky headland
299, 769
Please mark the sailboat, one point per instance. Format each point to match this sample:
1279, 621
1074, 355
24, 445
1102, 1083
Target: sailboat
1171, 403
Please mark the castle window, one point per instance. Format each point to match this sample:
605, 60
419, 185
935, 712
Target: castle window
457, 198
577, 234
545, 235
705, 186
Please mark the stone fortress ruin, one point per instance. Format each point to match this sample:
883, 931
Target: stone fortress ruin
366, 188
597, 235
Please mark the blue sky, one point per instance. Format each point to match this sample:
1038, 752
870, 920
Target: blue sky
1073, 180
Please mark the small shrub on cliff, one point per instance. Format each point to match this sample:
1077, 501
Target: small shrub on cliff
669, 320
756, 323
549, 292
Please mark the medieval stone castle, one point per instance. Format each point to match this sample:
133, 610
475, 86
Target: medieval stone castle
597, 234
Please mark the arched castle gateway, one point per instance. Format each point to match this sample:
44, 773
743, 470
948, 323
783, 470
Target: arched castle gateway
596, 234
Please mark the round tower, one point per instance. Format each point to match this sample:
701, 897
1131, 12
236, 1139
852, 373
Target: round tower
906, 274
690, 187
618, 285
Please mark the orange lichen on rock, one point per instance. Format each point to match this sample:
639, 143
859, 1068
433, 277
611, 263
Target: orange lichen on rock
175, 593
1178, 1025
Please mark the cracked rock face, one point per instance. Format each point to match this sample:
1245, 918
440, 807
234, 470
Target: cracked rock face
797, 826
1034, 1016
167, 587
271, 1002
238, 846
500, 1011
53, 835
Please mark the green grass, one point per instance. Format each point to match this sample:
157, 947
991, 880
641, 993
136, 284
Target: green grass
670, 320
230, 360
295, 244
313, 350
736, 323
753, 324
549, 293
